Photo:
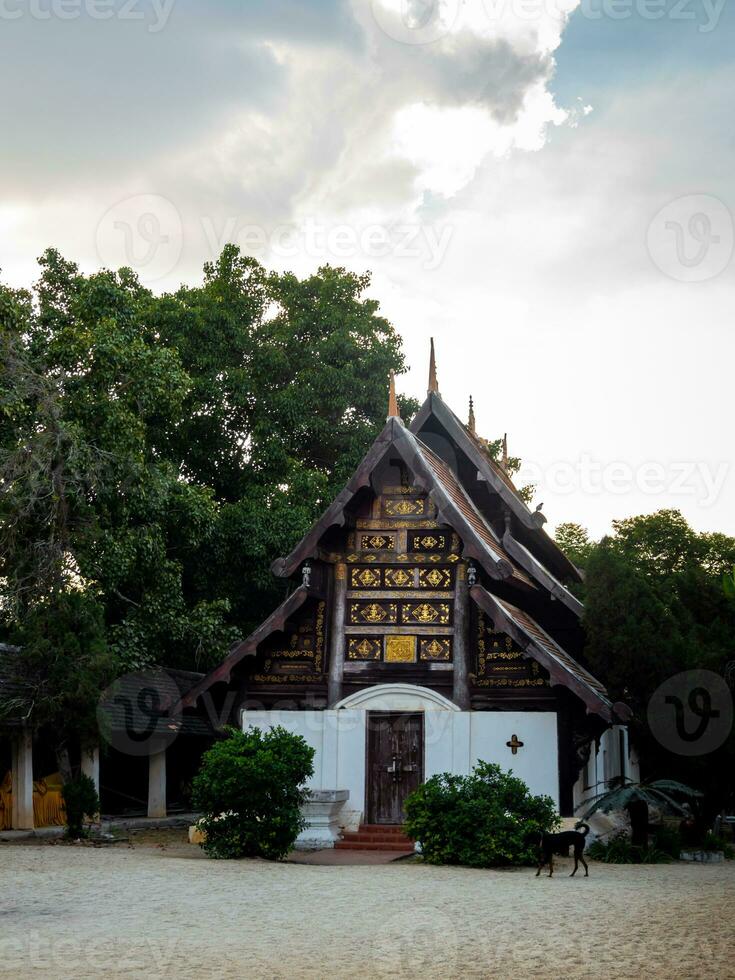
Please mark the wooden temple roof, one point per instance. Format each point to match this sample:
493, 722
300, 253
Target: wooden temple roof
490, 471
248, 647
537, 643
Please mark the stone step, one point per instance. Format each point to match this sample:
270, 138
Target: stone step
406, 848
381, 828
376, 838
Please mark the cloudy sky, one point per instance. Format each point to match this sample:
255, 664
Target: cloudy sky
545, 186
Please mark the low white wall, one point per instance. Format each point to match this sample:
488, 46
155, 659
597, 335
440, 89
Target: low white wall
453, 742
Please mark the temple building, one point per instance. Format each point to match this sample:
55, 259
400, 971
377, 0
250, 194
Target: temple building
431, 623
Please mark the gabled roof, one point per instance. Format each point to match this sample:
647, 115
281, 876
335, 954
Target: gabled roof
541, 574
534, 640
248, 648
454, 506
497, 479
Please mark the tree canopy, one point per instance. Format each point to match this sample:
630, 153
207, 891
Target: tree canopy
157, 452
655, 606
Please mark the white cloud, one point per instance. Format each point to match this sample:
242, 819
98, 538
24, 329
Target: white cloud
515, 227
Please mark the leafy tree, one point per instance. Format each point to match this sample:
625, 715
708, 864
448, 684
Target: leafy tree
574, 541
250, 789
157, 452
80, 801
64, 663
483, 820
654, 607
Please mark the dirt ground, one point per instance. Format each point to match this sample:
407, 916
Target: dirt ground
156, 907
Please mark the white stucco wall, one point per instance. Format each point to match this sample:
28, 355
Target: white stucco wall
453, 740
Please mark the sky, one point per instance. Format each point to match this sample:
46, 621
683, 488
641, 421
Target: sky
543, 186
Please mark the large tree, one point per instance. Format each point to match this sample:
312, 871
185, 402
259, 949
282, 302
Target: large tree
157, 452
655, 607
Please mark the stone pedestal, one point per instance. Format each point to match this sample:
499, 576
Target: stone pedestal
322, 819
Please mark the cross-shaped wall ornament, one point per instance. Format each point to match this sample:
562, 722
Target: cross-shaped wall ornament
514, 744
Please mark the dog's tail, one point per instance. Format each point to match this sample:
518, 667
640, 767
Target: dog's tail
581, 824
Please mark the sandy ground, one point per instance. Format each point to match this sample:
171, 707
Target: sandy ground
154, 911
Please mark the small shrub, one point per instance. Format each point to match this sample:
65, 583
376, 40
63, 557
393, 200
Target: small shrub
714, 843
250, 789
620, 850
615, 850
80, 801
668, 840
484, 820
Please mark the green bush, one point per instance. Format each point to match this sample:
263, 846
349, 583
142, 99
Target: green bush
484, 820
250, 789
668, 840
80, 801
713, 843
620, 850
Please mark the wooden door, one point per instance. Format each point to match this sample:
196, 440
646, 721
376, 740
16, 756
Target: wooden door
395, 763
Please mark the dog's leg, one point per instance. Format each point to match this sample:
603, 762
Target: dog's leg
586, 869
576, 863
551, 865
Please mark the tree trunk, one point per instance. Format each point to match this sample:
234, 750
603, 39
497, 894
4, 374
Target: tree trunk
63, 762
638, 811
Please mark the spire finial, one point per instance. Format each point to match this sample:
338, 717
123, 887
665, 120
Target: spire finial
505, 450
433, 383
393, 412
471, 419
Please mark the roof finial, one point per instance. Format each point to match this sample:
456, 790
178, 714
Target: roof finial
505, 450
393, 412
471, 419
433, 383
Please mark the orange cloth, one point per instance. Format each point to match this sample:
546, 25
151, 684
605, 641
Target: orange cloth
48, 803
6, 802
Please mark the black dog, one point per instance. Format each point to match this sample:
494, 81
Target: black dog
549, 844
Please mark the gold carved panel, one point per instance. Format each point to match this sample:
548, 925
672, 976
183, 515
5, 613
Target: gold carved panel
365, 578
364, 648
435, 648
435, 578
429, 542
426, 613
373, 613
405, 507
399, 578
378, 542
400, 649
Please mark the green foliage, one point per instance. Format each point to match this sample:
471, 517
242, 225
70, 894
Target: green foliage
668, 840
728, 583
483, 820
620, 850
574, 541
158, 452
660, 793
80, 801
712, 842
65, 661
250, 789
655, 607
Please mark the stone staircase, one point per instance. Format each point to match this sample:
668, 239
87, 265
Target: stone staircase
376, 837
